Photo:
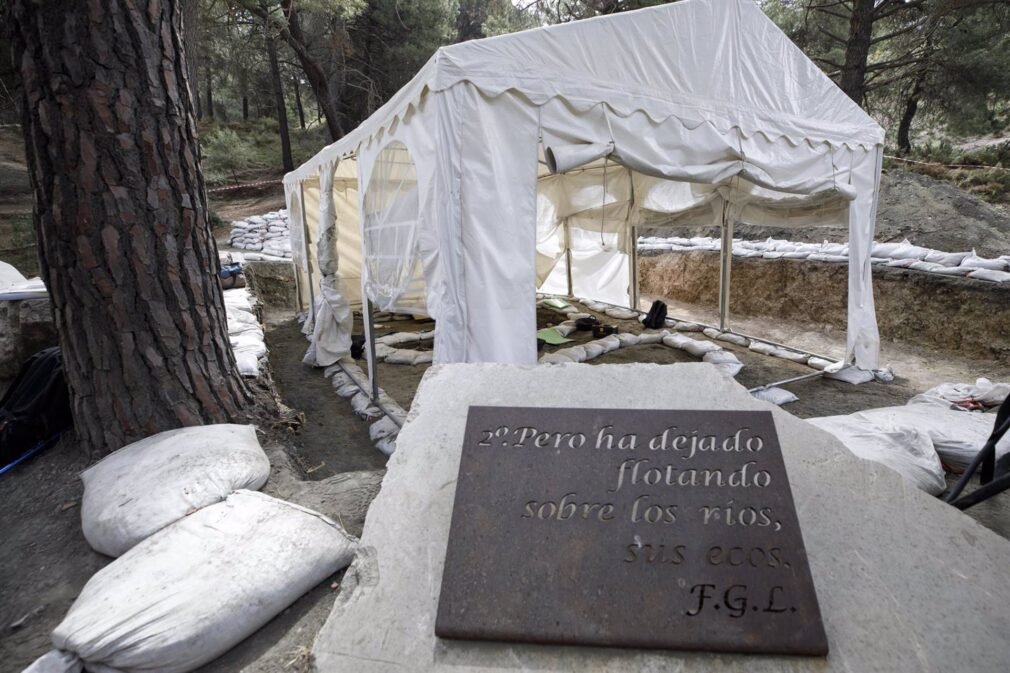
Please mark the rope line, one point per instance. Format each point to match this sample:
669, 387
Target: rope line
930, 163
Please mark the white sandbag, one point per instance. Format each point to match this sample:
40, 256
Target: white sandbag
382, 428
952, 270
565, 328
819, 363
609, 343
973, 261
957, 435
698, 348
777, 396
364, 407
838, 249
791, 355
886, 249
557, 358
928, 267
621, 313
906, 450
628, 339
724, 361
386, 445
248, 363
9, 276
946, 258
147, 485
849, 374
728, 337
401, 356
908, 251
796, 254
990, 275
651, 337
982, 391
594, 349
678, 341
823, 257
762, 347
902, 263
683, 325
574, 353
192, 591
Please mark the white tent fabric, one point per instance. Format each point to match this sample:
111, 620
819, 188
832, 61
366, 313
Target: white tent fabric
702, 108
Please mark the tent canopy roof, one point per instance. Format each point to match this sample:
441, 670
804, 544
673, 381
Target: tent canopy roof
718, 62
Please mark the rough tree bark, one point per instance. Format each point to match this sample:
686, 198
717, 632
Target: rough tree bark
282, 108
852, 78
191, 33
905, 126
120, 212
298, 102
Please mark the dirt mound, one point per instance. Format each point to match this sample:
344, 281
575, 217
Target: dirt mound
929, 212
936, 214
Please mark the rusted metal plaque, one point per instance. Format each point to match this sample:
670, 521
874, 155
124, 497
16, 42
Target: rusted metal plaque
627, 528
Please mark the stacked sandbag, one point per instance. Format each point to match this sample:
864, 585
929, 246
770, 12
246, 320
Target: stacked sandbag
196, 588
269, 234
147, 485
902, 255
245, 333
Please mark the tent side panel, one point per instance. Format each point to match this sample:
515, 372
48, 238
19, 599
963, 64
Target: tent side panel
863, 337
498, 198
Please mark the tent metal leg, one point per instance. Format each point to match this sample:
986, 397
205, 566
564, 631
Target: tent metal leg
725, 264
366, 321
634, 268
308, 255
568, 258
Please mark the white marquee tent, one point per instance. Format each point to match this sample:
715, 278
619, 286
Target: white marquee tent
528, 160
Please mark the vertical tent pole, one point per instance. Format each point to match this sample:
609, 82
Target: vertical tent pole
366, 321
308, 253
568, 259
634, 267
725, 261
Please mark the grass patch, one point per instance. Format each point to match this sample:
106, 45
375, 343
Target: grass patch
17, 243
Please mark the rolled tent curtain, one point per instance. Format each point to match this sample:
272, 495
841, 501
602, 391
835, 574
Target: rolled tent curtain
331, 333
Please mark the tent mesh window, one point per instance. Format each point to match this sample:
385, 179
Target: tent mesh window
393, 277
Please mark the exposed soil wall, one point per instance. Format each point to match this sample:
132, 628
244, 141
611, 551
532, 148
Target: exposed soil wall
951, 314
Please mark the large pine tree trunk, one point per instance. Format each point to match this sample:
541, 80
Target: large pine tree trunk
905, 125
120, 212
852, 79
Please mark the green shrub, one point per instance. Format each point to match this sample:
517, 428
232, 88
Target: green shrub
225, 155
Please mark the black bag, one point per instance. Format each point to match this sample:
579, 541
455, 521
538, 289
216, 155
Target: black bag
600, 331
586, 324
36, 408
656, 317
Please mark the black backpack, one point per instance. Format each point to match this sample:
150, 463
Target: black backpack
656, 317
36, 408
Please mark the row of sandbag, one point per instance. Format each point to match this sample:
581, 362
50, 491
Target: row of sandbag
902, 255
931, 432
245, 333
706, 350
203, 562
386, 416
831, 368
388, 348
